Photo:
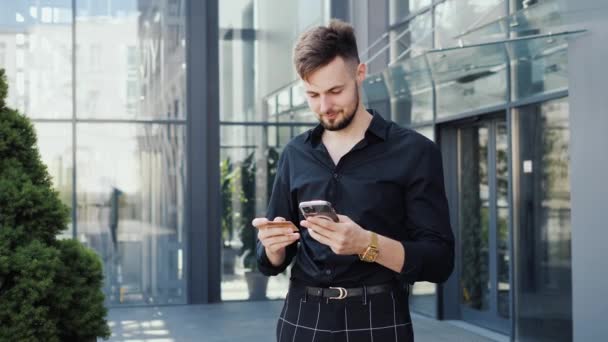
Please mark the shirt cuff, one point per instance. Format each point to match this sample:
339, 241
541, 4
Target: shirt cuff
264, 264
413, 262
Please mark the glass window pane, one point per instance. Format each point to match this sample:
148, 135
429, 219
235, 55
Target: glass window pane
470, 78
456, 17
284, 100
375, 90
237, 88
36, 50
400, 9
427, 131
297, 95
305, 115
55, 146
247, 170
502, 220
411, 39
131, 191
257, 87
537, 17
130, 60
411, 91
474, 218
538, 66
543, 265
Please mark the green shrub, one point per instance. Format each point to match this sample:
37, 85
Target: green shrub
50, 290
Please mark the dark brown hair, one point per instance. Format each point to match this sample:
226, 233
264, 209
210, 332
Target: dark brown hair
318, 46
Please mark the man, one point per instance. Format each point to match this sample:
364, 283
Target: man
349, 280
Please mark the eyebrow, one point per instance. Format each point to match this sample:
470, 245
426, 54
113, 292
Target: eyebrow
329, 90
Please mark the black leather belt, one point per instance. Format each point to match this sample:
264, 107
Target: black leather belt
341, 292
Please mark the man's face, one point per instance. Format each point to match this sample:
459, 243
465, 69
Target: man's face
332, 93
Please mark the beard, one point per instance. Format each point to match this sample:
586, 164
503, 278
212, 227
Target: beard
343, 119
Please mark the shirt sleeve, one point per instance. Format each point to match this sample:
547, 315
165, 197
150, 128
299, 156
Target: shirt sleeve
281, 204
429, 247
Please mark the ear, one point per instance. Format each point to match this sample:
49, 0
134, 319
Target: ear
361, 73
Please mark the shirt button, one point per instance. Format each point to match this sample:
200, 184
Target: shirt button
336, 176
328, 272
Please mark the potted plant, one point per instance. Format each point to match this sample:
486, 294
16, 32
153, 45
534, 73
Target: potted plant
256, 282
50, 289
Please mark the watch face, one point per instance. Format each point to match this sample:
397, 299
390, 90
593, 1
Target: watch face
370, 254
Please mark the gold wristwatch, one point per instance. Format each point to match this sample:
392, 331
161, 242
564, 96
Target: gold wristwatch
371, 252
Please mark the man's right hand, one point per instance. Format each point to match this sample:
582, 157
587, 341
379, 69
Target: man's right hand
275, 239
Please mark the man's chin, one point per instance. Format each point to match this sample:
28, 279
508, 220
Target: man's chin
332, 125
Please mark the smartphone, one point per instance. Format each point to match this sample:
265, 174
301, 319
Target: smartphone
322, 209
280, 224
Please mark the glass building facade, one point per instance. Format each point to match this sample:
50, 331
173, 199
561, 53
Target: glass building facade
104, 84
152, 114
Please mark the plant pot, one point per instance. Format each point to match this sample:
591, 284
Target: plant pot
228, 260
257, 284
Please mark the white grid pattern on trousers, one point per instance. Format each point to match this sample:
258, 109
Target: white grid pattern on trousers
371, 328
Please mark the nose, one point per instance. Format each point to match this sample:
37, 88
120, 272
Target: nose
325, 104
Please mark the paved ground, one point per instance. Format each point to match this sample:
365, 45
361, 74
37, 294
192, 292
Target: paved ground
238, 322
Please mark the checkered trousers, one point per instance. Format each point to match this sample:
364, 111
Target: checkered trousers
382, 317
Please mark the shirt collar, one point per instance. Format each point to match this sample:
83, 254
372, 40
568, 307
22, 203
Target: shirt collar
378, 127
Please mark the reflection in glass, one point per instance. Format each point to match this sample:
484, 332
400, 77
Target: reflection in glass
400, 10
411, 91
131, 186
237, 90
248, 167
411, 39
470, 78
537, 18
374, 88
539, 66
55, 146
543, 266
450, 21
502, 220
474, 217
36, 52
130, 60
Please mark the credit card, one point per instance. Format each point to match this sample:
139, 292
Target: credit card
280, 224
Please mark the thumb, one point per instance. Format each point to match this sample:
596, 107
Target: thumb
279, 219
258, 221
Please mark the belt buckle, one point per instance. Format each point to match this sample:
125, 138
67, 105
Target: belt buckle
343, 292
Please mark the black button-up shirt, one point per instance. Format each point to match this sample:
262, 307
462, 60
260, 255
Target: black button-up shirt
391, 182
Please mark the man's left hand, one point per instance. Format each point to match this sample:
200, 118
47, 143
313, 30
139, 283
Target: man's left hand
344, 237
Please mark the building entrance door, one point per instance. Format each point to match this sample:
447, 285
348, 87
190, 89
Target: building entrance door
481, 164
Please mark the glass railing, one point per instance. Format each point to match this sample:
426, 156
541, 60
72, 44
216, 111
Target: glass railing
541, 18
462, 79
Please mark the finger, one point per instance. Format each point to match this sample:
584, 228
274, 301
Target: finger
327, 224
328, 234
319, 237
344, 218
279, 219
279, 246
265, 233
271, 241
259, 221
319, 229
